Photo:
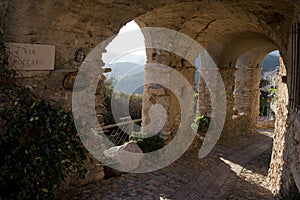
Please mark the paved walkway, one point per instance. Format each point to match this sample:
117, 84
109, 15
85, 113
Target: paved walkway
214, 177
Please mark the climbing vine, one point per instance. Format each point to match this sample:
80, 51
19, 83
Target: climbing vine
39, 144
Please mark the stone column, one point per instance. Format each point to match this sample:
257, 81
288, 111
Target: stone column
205, 94
247, 96
158, 94
228, 76
99, 99
204, 101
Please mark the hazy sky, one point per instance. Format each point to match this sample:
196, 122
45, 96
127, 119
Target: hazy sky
127, 46
275, 53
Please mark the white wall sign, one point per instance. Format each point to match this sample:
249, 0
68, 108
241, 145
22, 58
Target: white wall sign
31, 56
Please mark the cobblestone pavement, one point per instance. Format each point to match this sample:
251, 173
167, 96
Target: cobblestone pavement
236, 169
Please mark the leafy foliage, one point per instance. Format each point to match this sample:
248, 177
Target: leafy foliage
265, 95
146, 143
39, 144
118, 101
263, 83
274, 94
201, 123
108, 92
135, 106
263, 109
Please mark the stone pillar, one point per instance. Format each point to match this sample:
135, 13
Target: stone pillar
228, 76
247, 96
99, 100
204, 101
205, 94
158, 94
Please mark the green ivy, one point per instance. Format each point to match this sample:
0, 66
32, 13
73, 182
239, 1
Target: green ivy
39, 144
201, 123
146, 143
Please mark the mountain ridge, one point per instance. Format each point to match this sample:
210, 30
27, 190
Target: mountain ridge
130, 75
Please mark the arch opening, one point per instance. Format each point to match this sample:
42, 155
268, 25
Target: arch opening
269, 86
124, 60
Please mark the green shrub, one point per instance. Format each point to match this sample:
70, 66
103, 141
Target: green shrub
120, 101
108, 91
265, 95
201, 123
263, 83
147, 144
135, 106
263, 108
39, 144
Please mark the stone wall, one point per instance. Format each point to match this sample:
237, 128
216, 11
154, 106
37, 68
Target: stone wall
291, 179
204, 101
291, 159
82, 24
68, 27
284, 176
228, 75
280, 141
164, 94
242, 99
247, 95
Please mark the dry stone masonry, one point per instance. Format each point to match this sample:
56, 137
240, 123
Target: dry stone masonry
237, 35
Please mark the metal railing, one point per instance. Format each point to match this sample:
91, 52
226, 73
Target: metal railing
295, 71
124, 129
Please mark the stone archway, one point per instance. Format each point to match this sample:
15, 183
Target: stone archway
248, 76
71, 25
244, 44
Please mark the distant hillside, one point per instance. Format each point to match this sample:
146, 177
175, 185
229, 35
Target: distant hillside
112, 57
119, 69
270, 62
133, 83
129, 76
